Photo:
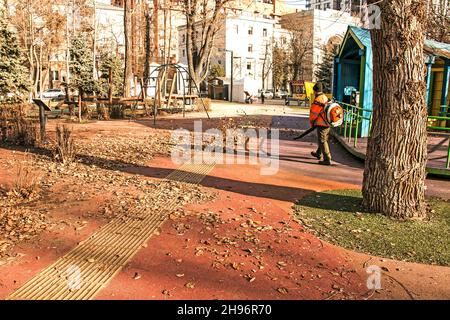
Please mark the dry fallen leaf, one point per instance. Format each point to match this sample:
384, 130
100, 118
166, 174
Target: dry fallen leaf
166, 292
190, 285
137, 276
283, 290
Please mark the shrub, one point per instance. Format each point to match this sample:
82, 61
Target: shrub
15, 128
65, 147
25, 181
102, 112
117, 112
199, 106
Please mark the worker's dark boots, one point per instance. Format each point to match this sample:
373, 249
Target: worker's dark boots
316, 155
325, 162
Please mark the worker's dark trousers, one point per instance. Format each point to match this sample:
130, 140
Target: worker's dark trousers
323, 133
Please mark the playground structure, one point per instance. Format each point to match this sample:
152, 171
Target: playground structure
353, 89
169, 88
302, 93
354, 76
172, 88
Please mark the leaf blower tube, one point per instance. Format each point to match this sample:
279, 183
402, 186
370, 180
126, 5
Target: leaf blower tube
304, 134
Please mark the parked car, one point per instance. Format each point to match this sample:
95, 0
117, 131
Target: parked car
53, 94
267, 94
281, 94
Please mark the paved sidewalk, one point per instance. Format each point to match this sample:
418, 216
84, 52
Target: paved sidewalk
246, 243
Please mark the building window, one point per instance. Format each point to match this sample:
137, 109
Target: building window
264, 32
236, 28
184, 38
250, 30
250, 48
184, 53
249, 66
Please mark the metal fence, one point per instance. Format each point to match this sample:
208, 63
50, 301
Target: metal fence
354, 117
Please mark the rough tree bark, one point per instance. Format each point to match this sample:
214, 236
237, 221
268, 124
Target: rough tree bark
148, 49
394, 176
155, 48
128, 76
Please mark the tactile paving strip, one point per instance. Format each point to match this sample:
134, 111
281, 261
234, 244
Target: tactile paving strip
84, 271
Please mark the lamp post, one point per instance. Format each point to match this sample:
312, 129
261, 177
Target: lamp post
232, 74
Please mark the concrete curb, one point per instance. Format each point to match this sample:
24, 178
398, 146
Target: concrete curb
444, 173
347, 147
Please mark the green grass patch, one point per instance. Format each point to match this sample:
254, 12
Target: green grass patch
338, 217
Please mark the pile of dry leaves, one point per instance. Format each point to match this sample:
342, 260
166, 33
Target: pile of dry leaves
105, 164
17, 224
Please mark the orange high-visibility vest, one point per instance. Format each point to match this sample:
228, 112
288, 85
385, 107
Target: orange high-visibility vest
317, 114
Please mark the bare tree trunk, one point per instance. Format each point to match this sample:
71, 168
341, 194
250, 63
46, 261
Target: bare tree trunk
68, 44
170, 37
134, 40
94, 44
164, 57
155, 51
110, 87
202, 25
394, 176
41, 67
80, 97
37, 74
148, 49
128, 49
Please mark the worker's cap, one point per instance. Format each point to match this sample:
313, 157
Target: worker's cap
317, 87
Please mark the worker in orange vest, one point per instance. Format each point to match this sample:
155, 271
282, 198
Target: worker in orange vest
317, 118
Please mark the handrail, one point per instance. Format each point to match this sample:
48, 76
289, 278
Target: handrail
439, 118
353, 106
353, 118
446, 129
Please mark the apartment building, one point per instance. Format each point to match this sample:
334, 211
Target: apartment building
108, 23
243, 48
324, 27
350, 6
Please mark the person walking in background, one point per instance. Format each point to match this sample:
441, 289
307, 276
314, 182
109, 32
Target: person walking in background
317, 119
262, 97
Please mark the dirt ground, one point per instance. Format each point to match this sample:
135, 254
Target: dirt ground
235, 238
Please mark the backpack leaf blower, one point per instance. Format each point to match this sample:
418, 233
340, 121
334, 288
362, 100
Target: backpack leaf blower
334, 117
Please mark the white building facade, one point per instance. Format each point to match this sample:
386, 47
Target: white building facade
327, 28
110, 28
342, 5
243, 47
109, 35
